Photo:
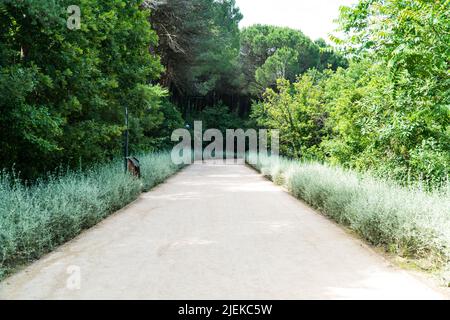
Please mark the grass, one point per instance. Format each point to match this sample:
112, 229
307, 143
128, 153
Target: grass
36, 219
403, 220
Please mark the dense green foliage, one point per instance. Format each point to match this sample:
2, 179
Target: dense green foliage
209, 61
218, 117
63, 92
406, 221
34, 220
389, 111
199, 47
379, 103
269, 53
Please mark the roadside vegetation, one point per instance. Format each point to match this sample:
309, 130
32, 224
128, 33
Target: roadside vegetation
37, 218
368, 144
375, 102
407, 221
388, 111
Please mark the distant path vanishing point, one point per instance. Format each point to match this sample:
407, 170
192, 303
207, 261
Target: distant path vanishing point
215, 232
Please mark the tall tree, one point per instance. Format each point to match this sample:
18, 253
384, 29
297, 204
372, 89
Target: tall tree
199, 45
410, 39
388, 112
287, 49
63, 91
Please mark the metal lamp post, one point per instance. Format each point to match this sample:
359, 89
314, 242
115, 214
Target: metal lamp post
126, 141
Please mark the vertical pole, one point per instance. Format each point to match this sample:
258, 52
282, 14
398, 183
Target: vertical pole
126, 141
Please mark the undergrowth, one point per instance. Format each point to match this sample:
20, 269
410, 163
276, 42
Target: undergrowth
407, 221
35, 219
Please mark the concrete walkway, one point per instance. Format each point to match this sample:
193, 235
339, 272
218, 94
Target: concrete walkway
215, 232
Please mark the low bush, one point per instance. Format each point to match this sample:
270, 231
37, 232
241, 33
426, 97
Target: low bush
404, 220
36, 219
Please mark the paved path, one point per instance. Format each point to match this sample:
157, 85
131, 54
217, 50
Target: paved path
215, 232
